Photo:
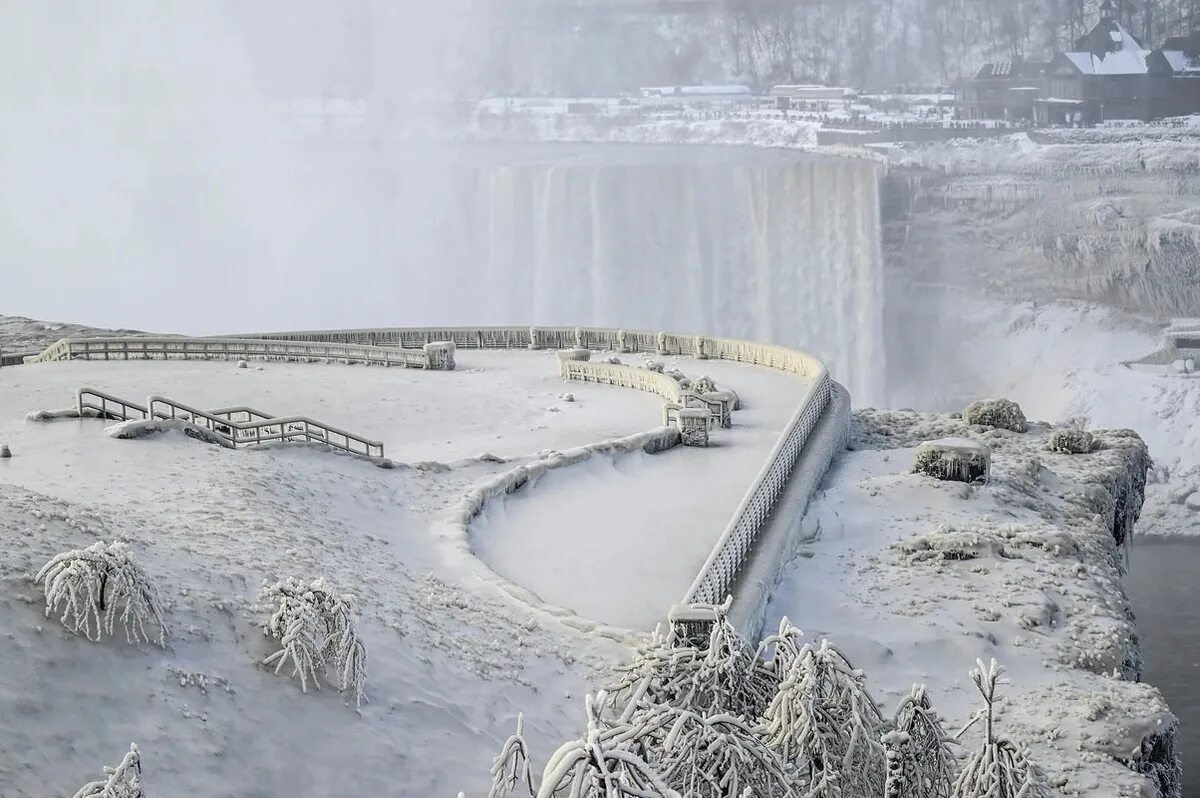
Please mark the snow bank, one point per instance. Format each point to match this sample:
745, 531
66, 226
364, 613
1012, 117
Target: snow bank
133, 430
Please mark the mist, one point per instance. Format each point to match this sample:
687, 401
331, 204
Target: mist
157, 171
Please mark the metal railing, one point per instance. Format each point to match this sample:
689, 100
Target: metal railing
720, 571
718, 576
108, 406
264, 429
228, 424
143, 348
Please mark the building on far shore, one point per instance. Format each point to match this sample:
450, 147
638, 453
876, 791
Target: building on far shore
1005, 90
1108, 74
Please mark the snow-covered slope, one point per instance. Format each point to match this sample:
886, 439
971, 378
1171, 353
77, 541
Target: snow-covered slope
916, 578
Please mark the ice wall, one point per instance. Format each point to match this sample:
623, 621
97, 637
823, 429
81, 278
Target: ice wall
774, 248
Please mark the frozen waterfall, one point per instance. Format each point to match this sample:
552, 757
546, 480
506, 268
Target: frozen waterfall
772, 246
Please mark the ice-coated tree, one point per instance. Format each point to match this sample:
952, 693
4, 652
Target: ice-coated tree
919, 761
823, 719
999, 769
724, 675
317, 630
713, 756
510, 768
605, 763
98, 586
784, 648
123, 781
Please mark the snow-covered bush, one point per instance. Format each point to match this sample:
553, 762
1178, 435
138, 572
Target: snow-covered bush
704, 384
510, 768
720, 675
999, 769
317, 629
123, 781
919, 761
713, 756
604, 763
98, 586
999, 413
823, 717
1071, 441
953, 460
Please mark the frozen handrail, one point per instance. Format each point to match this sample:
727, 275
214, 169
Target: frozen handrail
411, 346
264, 430
165, 348
109, 406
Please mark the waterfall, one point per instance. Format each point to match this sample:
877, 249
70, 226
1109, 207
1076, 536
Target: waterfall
783, 248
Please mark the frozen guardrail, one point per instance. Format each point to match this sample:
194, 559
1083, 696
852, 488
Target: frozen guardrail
264, 429
719, 573
431, 356
258, 427
422, 346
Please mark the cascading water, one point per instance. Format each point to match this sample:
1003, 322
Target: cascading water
778, 247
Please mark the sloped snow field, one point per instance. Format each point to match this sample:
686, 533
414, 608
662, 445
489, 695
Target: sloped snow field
915, 579
451, 660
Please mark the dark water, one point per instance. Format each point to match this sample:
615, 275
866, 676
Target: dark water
1163, 586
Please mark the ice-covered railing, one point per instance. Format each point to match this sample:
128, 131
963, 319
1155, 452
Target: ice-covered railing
717, 578
421, 346
227, 423
430, 356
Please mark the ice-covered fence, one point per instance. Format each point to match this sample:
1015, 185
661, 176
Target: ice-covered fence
236, 425
107, 406
717, 578
430, 356
264, 429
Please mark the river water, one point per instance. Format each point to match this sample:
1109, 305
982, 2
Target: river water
1166, 597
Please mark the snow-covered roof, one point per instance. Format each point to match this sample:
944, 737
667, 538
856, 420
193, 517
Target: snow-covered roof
1122, 62
1181, 62
1126, 57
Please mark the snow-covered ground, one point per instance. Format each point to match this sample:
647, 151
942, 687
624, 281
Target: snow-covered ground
1064, 361
915, 579
451, 660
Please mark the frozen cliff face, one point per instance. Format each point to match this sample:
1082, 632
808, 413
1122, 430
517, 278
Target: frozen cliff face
1098, 215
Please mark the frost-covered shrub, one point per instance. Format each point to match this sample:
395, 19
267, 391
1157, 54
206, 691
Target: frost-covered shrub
919, 761
1071, 441
605, 763
712, 756
317, 629
999, 769
953, 460
722, 674
98, 586
823, 717
999, 413
123, 781
704, 384
510, 768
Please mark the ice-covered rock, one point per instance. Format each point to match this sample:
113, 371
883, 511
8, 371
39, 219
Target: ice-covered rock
999, 413
953, 460
1192, 502
1071, 441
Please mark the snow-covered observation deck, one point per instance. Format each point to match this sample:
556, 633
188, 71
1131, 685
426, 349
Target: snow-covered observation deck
209, 525
725, 570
